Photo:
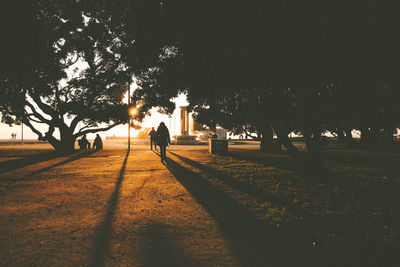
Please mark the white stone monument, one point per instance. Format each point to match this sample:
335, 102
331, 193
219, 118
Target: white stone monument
185, 138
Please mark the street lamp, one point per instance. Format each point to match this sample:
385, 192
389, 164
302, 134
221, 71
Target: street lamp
129, 119
133, 112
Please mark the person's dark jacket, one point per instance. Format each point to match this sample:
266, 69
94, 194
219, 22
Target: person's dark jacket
98, 143
152, 134
163, 135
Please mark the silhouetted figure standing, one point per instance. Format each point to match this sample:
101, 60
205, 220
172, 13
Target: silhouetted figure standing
84, 143
98, 143
163, 140
153, 138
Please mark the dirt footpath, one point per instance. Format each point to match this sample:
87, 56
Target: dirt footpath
105, 208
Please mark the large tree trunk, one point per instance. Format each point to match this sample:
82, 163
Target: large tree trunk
364, 136
66, 144
267, 140
313, 143
285, 140
388, 135
67, 140
368, 136
340, 135
349, 137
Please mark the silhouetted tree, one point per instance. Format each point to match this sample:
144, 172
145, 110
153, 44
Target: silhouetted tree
70, 72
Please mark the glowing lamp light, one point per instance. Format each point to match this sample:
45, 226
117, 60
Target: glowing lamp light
134, 111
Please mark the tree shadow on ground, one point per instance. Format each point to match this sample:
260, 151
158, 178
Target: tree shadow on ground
253, 243
102, 240
303, 165
315, 173
29, 177
14, 164
363, 158
161, 245
281, 161
259, 244
368, 158
251, 189
75, 156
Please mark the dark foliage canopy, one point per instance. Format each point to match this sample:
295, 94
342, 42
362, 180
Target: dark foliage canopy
303, 66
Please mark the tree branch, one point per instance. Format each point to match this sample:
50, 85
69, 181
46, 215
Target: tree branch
96, 130
51, 139
31, 118
44, 107
81, 129
27, 123
67, 92
57, 94
37, 114
72, 62
248, 134
75, 122
333, 133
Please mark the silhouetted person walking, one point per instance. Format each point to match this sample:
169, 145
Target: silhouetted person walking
163, 140
98, 143
153, 137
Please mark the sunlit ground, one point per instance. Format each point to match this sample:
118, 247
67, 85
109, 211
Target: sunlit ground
245, 208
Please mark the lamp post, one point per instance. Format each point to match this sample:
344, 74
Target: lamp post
133, 112
129, 119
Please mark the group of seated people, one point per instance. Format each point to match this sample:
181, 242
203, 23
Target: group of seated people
83, 143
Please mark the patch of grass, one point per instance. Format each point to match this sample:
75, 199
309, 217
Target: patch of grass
355, 201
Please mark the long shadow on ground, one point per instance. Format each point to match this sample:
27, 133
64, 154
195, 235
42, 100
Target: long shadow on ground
364, 158
14, 164
160, 245
75, 156
102, 240
279, 161
302, 167
257, 245
247, 188
253, 243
